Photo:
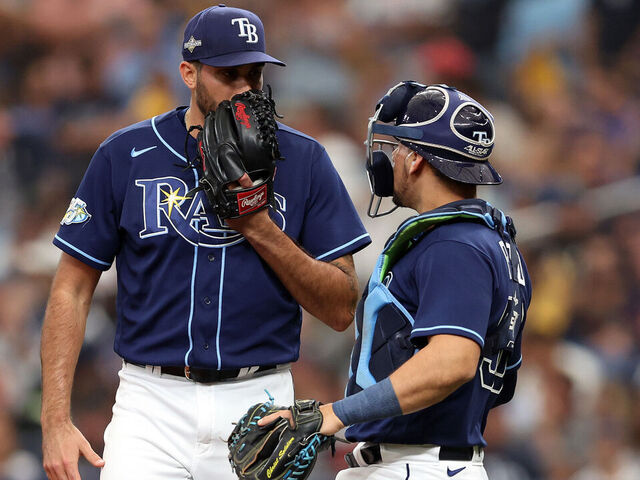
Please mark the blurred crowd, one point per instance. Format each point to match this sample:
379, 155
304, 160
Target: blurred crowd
562, 78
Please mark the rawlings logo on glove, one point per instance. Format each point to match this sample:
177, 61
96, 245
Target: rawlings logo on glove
241, 115
239, 138
252, 200
277, 451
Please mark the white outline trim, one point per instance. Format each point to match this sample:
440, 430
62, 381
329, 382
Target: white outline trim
319, 257
468, 140
451, 127
494, 372
220, 289
144, 204
201, 234
515, 364
195, 248
164, 142
191, 307
437, 117
451, 327
442, 147
76, 249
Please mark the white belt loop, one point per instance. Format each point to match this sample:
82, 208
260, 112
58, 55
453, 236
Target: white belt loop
478, 455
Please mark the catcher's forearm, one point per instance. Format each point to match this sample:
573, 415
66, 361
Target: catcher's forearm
62, 336
329, 291
445, 364
431, 375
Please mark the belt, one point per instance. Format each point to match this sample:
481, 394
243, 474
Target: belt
371, 455
211, 375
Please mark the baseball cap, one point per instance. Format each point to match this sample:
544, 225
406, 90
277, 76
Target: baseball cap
223, 36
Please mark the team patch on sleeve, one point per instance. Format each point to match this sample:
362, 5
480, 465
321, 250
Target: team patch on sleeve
76, 213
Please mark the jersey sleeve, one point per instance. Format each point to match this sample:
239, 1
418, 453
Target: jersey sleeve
455, 285
332, 227
89, 228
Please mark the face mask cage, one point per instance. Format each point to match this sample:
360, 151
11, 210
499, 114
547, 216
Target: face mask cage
379, 171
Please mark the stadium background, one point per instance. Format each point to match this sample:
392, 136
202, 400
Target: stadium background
562, 78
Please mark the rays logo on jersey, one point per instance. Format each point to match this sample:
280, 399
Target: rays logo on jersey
165, 205
76, 213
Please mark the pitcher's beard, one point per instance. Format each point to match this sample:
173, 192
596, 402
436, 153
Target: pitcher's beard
203, 100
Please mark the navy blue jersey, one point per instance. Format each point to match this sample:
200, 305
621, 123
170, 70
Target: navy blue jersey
454, 280
191, 291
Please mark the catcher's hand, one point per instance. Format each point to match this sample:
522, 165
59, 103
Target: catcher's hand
239, 138
277, 450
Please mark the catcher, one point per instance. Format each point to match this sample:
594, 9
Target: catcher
215, 258
439, 326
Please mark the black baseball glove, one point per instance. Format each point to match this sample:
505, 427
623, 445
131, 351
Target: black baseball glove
277, 451
238, 138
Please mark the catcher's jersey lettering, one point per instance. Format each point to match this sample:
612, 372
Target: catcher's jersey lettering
183, 295
492, 372
515, 271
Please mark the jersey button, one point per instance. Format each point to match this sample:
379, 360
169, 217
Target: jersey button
206, 346
211, 257
206, 300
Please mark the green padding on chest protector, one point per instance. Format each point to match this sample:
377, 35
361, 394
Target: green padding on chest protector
406, 235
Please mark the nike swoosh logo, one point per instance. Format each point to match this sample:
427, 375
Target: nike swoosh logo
135, 153
451, 473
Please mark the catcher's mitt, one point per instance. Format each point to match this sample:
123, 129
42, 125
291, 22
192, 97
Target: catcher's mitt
238, 138
277, 451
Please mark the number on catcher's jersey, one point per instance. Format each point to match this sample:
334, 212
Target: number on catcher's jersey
514, 268
492, 372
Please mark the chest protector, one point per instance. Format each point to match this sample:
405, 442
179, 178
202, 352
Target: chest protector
383, 325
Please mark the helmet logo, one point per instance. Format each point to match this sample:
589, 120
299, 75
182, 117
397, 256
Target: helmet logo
481, 136
476, 150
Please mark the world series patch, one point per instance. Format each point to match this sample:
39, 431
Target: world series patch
76, 213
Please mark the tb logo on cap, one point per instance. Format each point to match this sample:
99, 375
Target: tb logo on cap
246, 29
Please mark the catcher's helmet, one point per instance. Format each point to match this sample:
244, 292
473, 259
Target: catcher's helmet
452, 131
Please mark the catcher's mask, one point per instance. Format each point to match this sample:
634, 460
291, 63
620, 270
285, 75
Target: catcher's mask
452, 131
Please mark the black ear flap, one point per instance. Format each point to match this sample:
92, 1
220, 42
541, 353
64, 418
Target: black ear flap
394, 103
380, 173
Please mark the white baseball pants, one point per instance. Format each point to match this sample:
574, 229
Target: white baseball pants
169, 428
407, 462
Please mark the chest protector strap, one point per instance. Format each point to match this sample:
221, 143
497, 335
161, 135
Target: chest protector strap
412, 230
